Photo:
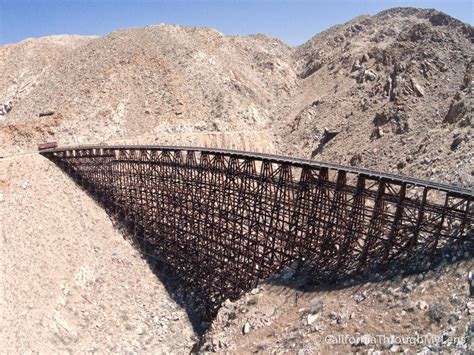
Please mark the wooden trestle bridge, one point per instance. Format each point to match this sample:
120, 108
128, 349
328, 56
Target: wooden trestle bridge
224, 219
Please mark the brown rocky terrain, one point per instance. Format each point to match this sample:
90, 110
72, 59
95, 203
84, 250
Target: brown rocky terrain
392, 92
397, 90
140, 84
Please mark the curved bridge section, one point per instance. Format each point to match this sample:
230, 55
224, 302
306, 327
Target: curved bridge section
225, 219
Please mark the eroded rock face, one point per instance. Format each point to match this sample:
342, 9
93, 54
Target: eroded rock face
461, 110
458, 138
312, 67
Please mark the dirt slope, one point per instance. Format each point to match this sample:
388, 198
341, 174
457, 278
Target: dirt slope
68, 279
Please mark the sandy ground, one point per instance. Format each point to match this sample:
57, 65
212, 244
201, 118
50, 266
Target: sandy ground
68, 279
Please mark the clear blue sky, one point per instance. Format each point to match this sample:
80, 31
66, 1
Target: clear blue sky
292, 21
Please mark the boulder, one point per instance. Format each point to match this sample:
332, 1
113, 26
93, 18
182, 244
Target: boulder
377, 133
246, 328
401, 164
326, 137
422, 305
357, 158
46, 113
417, 88
311, 318
458, 138
457, 109
381, 118
356, 66
397, 118
363, 74
311, 67
370, 75
5, 108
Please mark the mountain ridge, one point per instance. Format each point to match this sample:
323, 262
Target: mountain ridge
171, 84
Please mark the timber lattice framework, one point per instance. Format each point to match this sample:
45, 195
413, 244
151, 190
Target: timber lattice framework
225, 219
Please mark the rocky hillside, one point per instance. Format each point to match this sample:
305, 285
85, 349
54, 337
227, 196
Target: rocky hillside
424, 313
141, 82
391, 92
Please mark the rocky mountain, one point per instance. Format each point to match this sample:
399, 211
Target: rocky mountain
391, 92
